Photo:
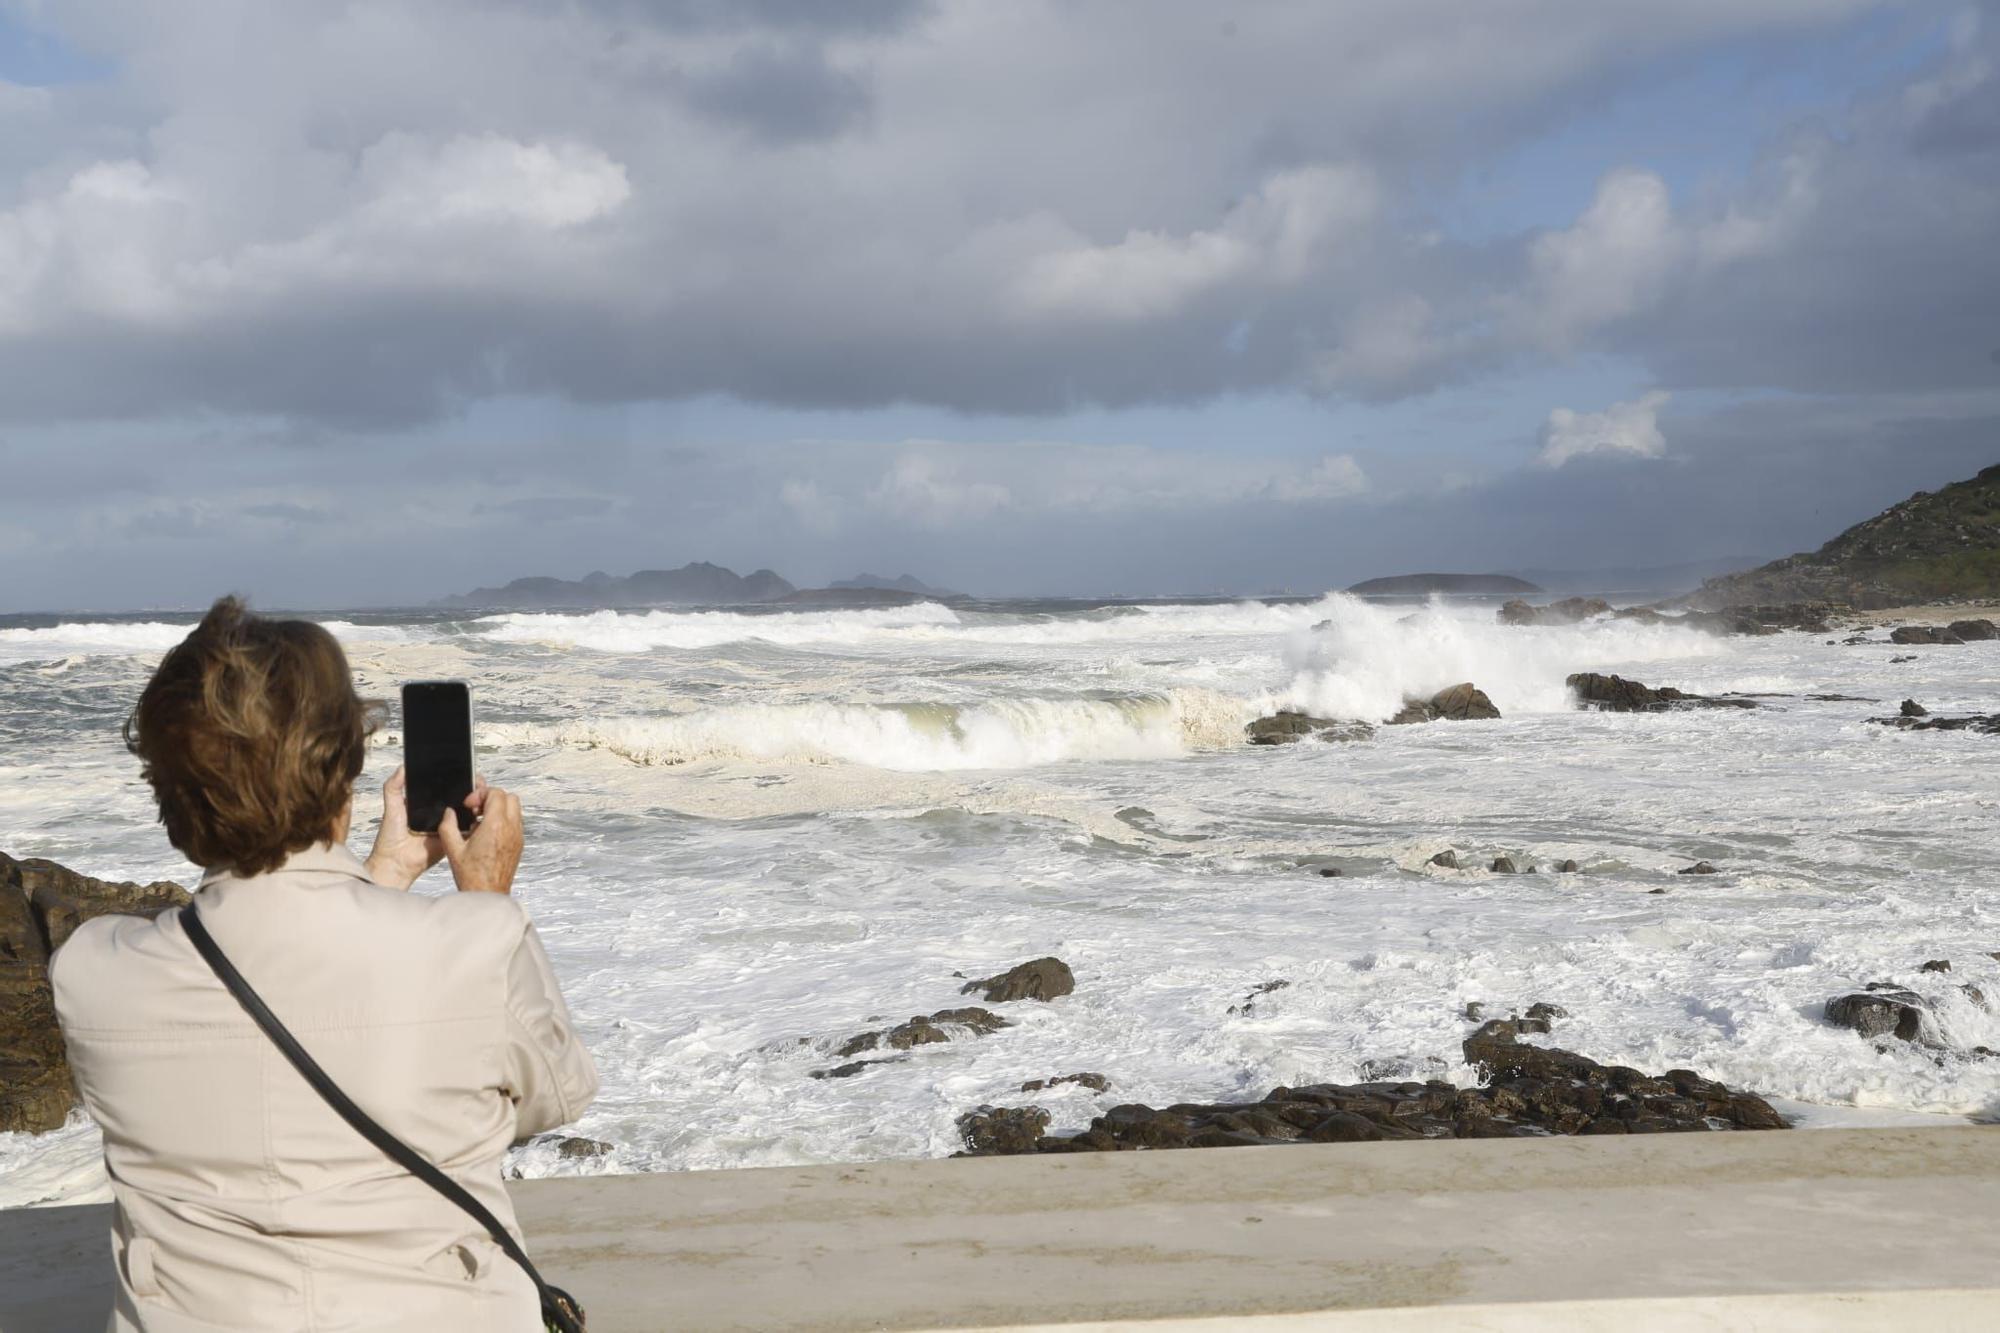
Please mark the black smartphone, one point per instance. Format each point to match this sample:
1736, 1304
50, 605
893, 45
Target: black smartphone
437, 752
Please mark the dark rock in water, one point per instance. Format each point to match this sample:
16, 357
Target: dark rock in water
1974, 631
1330, 872
1473, 1011
1934, 634
1936, 965
41, 905
1656, 890
1095, 1082
1531, 1091
1504, 865
1447, 859
1874, 1013
1568, 611
1286, 727
1898, 661
1615, 694
1976, 996
1699, 868
923, 1031
1464, 702
1042, 979
1911, 708
850, 1069
1986, 724
572, 1148
998, 1130
1249, 1002
1545, 1011
1567, 867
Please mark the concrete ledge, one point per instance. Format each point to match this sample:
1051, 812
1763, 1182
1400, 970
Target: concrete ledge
1857, 1229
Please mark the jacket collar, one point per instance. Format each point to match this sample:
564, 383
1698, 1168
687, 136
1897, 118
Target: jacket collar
325, 857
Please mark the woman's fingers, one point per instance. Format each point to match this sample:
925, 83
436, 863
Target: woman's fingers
450, 837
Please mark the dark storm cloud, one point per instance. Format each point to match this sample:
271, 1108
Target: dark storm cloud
1002, 208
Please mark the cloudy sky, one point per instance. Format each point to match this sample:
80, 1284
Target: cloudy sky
361, 303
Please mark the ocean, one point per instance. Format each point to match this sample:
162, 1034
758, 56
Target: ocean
753, 834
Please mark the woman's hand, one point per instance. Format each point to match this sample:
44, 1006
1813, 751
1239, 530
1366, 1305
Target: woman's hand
485, 862
400, 854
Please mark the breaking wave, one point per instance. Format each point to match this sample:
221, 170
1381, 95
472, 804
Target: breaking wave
992, 734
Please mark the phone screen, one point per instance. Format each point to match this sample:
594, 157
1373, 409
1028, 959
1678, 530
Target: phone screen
437, 752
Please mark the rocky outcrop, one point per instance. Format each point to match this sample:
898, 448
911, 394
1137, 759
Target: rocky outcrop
1287, 726
1911, 708
1095, 1082
1880, 1010
1458, 703
1569, 611
924, 1030
1531, 1091
41, 905
1931, 634
1974, 631
1040, 979
997, 1130
1986, 723
1698, 868
1615, 694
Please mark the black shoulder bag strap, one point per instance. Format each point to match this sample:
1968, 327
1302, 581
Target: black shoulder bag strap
560, 1312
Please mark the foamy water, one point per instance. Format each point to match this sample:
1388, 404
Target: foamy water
751, 828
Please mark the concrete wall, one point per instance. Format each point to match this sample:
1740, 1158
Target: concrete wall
1861, 1229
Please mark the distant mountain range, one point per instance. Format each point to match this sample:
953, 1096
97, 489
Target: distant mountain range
1935, 546
1451, 585
698, 584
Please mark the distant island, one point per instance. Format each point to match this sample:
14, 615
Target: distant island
696, 584
1450, 585
1935, 546
901, 583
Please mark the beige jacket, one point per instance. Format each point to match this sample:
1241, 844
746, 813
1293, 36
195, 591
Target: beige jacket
243, 1200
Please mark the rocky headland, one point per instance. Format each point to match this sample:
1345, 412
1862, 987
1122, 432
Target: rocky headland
41, 905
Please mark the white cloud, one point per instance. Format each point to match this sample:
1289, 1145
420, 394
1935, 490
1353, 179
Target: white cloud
1613, 262
1632, 429
1277, 235
929, 491
1332, 477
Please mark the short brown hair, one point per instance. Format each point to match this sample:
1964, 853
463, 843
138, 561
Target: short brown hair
251, 736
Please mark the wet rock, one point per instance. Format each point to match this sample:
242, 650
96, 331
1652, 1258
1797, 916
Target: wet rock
848, 1070
1095, 1082
1330, 872
1975, 996
1042, 979
1531, 1090
1931, 634
1464, 702
1974, 631
1249, 1002
926, 1031
572, 1148
1655, 890
1898, 661
1698, 868
1936, 965
1874, 1013
1568, 611
1985, 724
1504, 865
1567, 867
1615, 694
993, 1131
1474, 1011
1911, 708
41, 905
1286, 727
1447, 860
1545, 1011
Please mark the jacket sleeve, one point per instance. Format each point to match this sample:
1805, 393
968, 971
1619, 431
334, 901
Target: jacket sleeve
549, 1074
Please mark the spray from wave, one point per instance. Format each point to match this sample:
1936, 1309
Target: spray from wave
1363, 661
